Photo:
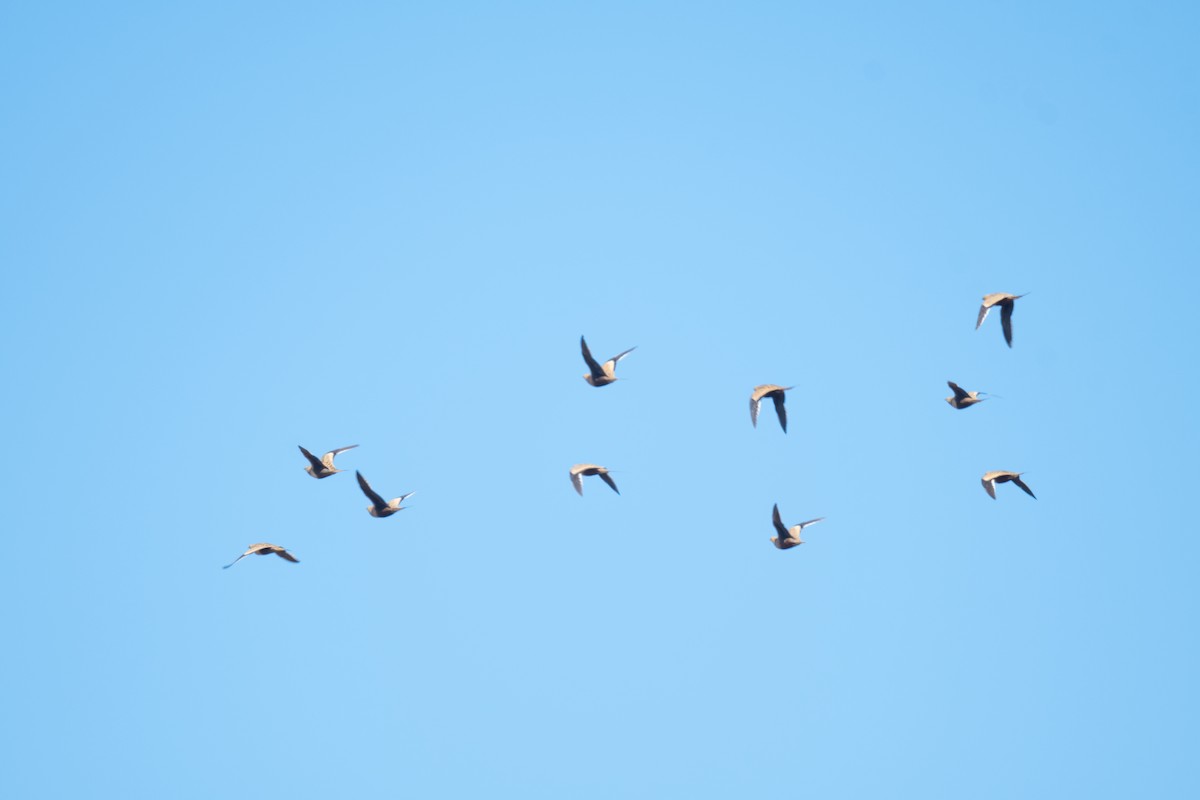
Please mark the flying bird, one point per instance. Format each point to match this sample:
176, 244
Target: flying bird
601, 375
380, 507
776, 394
962, 398
264, 549
323, 467
1005, 301
579, 470
788, 538
990, 479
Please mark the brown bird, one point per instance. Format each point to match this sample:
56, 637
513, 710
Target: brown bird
323, 467
776, 394
264, 549
1005, 301
601, 375
788, 538
379, 507
579, 470
990, 479
962, 398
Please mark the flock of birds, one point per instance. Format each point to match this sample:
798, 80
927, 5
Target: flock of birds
603, 374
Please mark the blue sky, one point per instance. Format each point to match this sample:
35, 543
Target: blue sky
236, 228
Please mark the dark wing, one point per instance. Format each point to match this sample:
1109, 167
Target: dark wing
1006, 309
778, 523
1017, 480
959, 394
371, 494
593, 366
286, 556
316, 462
779, 409
604, 476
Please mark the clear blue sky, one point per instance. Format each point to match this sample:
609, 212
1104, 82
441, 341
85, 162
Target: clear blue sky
233, 228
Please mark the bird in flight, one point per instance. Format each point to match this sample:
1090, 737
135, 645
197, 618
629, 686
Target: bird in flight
323, 467
776, 394
990, 479
264, 549
579, 470
1005, 301
601, 375
962, 398
788, 538
380, 507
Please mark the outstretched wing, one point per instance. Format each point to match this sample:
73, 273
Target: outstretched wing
604, 476
780, 411
983, 312
592, 364
327, 459
577, 482
372, 495
989, 487
778, 523
316, 462
755, 402
286, 556
959, 393
804, 525
612, 362
1017, 480
1006, 309
231, 563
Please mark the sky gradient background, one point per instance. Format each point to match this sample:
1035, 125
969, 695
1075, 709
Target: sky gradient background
234, 228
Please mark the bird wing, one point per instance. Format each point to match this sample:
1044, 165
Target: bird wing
604, 476
611, 364
239, 558
780, 411
989, 487
286, 556
327, 459
755, 402
577, 482
959, 393
1006, 309
316, 462
593, 365
778, 523
397, 501
804, 525
983, 312
1017, 480
372, 495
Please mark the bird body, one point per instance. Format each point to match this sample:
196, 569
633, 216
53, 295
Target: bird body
580, 470
600, 374
990, 479
788, 538
323, 467
379, 507
962, 398
1005, 301
264, 549
776, 394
